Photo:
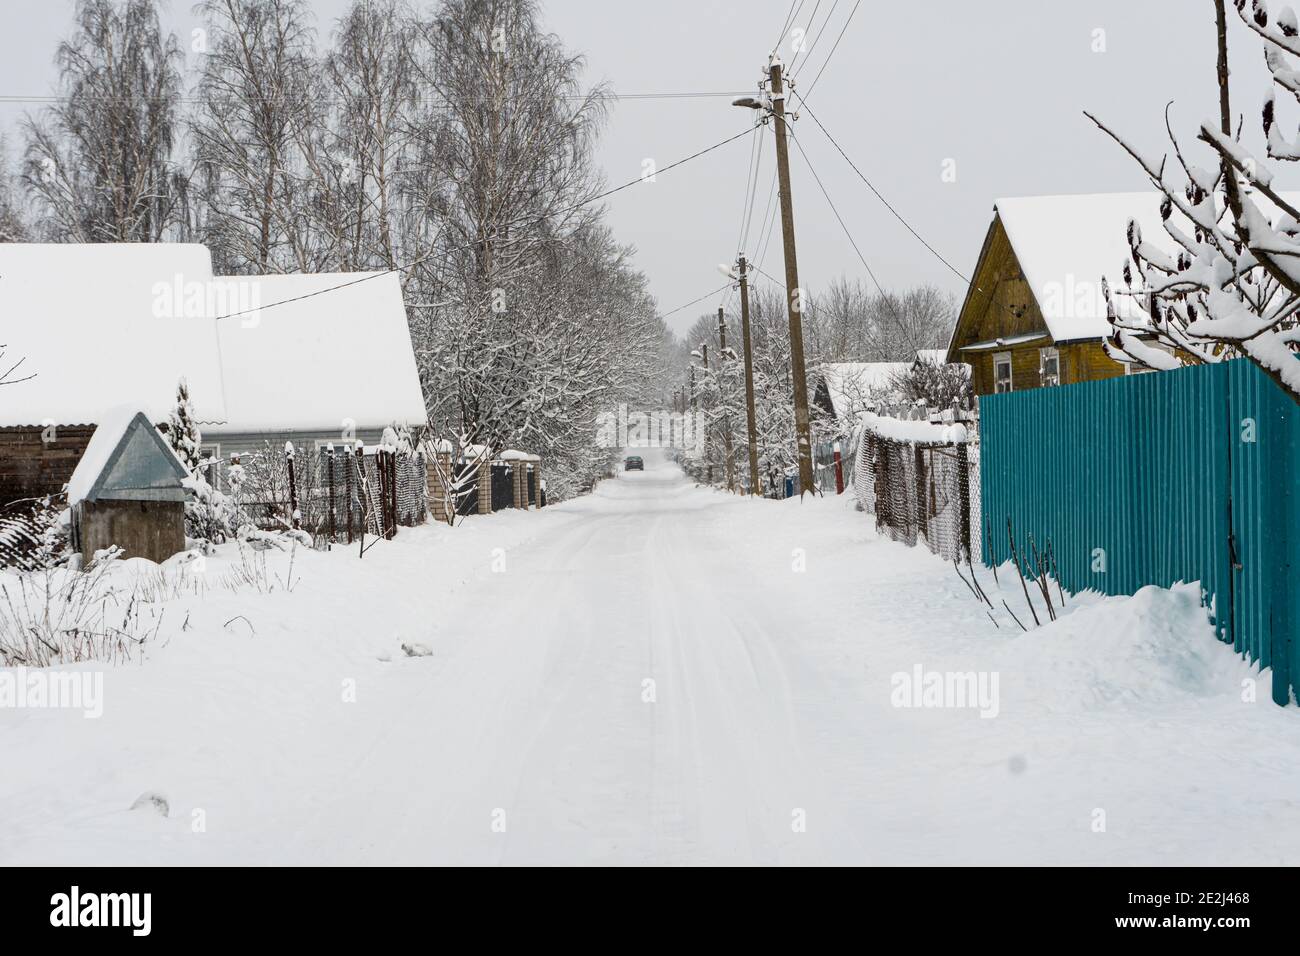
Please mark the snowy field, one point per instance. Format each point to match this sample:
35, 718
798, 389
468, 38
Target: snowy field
655, 673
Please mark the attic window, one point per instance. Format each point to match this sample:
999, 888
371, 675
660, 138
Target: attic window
1002, 372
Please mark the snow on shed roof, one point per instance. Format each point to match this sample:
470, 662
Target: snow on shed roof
97, 326
1066, 244
322, 362
149, 467
852, 385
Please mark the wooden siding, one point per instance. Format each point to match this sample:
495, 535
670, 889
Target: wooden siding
1001, 305
31, 468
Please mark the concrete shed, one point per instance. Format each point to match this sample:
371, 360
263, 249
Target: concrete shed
128, 490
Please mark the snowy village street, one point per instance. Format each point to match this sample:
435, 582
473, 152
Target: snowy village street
529, 734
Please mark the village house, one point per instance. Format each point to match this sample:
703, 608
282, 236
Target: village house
320, 360
87, 323
1035, 313
267, 359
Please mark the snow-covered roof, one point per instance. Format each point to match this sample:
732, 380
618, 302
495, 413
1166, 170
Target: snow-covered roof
324, 362
1066, 244
126, 457
932, 356
98, 326
853, 385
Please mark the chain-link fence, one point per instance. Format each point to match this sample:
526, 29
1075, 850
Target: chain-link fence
922, 491
375, 491
336, 494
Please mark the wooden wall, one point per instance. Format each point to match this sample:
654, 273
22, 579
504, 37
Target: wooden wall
30, 467
1000, 304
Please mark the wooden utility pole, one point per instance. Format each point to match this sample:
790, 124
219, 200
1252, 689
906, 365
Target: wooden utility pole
726, 420
750, 415
704, 351
798, 373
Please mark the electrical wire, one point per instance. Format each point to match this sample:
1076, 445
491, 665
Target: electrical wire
469, 245
682, 308
896, 213
825, 23
835, 47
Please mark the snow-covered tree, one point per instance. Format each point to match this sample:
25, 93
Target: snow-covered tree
98, 163
259, 103
183, 432
935, 384
13, 218
1224, 280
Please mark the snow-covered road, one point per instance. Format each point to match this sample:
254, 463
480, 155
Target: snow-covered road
654, 673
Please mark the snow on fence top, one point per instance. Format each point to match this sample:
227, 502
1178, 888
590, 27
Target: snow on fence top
99, 326
922, 433
1066, 244
322, 362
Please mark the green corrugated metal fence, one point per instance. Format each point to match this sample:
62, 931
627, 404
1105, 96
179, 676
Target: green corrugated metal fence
1187, 475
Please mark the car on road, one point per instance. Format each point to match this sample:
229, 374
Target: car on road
633, 463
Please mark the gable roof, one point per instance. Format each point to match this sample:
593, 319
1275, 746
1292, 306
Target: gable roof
114, 324
1065, 245
127, 458
322, 361
92, 324
851, 385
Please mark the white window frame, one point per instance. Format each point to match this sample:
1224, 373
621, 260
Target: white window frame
213, 476
1046, 354
1003, 358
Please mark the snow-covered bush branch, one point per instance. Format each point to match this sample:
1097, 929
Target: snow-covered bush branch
1224, 280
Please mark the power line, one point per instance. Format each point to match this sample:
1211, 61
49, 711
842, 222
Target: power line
836, 46
469, 245
811, 21
969, 282
825, 23
789, 22
682, 308
896, 213
333, 101
830, 202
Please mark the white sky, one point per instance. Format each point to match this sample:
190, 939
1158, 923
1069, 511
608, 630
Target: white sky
998, 87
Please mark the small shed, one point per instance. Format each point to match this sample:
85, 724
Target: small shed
128, 490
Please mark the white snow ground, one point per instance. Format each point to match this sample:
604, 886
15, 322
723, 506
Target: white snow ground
773, 704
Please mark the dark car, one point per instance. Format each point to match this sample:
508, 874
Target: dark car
633, 463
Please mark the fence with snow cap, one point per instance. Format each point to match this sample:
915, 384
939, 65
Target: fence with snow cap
921, 481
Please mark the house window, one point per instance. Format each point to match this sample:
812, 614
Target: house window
1049, 367
340, 445
1002, 372
210, 464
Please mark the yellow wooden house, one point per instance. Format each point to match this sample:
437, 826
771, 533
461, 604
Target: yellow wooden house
1035, 314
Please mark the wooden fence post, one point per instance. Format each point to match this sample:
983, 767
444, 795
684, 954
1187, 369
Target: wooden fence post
922, 504
348, 490
329, 458
293, 488
963, 495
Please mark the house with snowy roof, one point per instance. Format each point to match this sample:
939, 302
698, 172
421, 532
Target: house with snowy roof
1035, 314
317, 360
312, 359
845, 390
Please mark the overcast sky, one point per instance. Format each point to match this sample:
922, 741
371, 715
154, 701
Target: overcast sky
995, 87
